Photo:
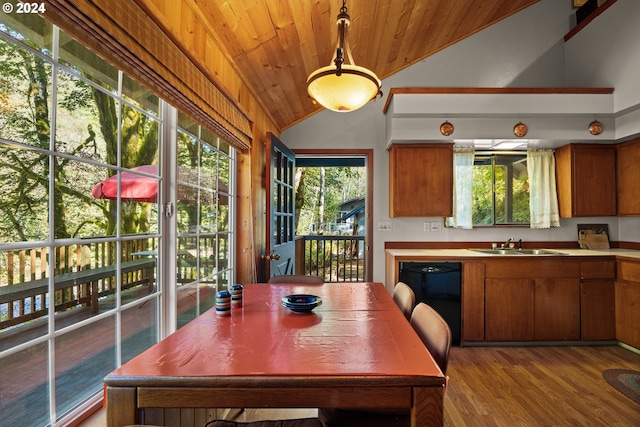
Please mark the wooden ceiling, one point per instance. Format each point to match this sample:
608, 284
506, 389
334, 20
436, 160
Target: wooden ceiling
275, 44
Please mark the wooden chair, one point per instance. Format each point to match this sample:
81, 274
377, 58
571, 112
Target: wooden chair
434, 332
405, 298
301, 422
436, 336
297, 278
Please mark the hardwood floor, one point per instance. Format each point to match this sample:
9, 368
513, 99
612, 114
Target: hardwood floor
538, 386
520, 386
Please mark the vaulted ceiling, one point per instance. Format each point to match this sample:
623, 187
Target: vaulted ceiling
275, 44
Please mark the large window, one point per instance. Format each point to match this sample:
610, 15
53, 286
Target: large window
204, 224
84, 177
500, 189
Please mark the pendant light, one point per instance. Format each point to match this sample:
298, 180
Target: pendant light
343, 87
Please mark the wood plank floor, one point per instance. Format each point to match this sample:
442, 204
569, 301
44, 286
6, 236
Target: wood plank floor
538, 386
520, 386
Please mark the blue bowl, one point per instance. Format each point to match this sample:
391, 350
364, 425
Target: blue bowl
301, 303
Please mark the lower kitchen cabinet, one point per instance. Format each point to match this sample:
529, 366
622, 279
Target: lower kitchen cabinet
556, 310
550, 299
532, 300
472, 301
597, 299
532, 309
627, 290
509, 309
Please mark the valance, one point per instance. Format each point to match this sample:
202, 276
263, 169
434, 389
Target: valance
125, 36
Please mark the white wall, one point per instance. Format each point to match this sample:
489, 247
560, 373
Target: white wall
606, 53
526, 49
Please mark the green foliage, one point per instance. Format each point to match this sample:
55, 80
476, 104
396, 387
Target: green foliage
341, 184
87, 126
491, 198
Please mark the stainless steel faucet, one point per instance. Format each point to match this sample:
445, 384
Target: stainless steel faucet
506, 244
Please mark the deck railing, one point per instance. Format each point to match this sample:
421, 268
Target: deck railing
335, 258
83, 273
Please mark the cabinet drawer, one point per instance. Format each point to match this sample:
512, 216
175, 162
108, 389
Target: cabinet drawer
629, 271
532, 267
600, 269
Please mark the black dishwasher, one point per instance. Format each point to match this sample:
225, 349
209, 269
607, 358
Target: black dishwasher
438, 285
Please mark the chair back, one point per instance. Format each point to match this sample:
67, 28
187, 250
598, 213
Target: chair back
405, 298
297, 278
434, 333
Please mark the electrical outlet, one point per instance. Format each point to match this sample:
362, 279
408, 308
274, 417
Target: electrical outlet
436, 226
384, 226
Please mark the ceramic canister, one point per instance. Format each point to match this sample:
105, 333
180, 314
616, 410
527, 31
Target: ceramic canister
236, 295
223, 303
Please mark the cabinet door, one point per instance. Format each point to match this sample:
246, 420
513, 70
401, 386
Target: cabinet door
472, 301
557, 309
628, 313
509, 309
628, 175
597, 302
594, 181
421, 180
586, 180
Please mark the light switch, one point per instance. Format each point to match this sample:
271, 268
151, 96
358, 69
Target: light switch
384, 226
436, 226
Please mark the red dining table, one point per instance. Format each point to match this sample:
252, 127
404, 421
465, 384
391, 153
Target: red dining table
355, 350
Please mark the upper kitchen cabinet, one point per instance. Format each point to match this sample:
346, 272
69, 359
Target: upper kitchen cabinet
421, 180
628, 174
586, 180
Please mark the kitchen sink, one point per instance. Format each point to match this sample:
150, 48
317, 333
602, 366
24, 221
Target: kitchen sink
539, 252
518, 252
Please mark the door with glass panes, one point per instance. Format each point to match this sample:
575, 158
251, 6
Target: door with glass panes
279, 256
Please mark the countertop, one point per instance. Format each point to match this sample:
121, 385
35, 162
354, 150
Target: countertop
466, 253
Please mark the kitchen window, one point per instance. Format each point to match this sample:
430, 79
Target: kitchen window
500, 189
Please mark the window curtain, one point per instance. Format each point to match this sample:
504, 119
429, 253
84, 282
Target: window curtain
462, 189
123, 33
541, 167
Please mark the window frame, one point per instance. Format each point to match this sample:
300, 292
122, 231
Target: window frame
162, 299
509, 195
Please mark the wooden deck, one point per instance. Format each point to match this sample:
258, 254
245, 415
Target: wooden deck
83, 357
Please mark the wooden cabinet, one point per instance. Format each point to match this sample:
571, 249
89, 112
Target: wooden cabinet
509, 309
421, 180
472, 301
627, 295
586, 180
628, 176
556, 309
597, 300
533, 299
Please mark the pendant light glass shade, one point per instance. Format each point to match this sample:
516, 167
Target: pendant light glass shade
343, 87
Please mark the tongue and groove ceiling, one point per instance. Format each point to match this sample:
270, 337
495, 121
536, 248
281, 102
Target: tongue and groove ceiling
275, 44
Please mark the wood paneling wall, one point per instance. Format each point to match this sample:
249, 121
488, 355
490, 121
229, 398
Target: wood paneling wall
191, 33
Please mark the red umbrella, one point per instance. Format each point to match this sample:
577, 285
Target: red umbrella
140, 188
134, 187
